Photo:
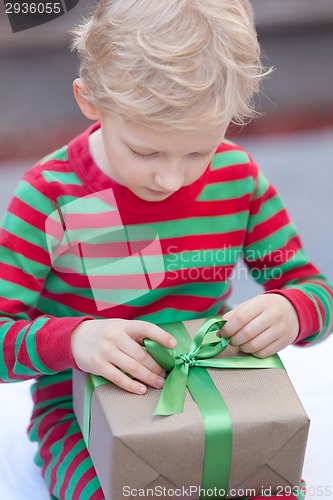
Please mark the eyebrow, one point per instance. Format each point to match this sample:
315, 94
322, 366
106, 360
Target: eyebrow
139, 146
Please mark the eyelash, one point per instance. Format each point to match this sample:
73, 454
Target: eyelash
142, 156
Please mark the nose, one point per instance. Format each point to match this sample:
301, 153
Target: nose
170, 179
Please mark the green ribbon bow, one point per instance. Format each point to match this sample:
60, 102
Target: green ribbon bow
187, 363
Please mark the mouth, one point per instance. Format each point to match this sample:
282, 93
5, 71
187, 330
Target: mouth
159, 193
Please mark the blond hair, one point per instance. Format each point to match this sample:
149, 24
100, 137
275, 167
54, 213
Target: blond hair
181, 64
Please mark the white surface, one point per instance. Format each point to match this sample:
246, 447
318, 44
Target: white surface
310, 369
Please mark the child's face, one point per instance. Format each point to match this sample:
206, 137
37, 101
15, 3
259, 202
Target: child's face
151, 163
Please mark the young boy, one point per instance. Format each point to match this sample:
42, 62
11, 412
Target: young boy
162, 81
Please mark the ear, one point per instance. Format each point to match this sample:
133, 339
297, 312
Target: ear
88, 109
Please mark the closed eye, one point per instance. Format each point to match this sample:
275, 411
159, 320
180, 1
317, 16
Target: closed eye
200, 155
141, 155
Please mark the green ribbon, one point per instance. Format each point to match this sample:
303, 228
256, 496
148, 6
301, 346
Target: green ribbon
91, 383
187, 364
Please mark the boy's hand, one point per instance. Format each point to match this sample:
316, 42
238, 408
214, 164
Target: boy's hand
107, 346
263, 325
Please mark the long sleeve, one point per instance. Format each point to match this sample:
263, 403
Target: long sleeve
276, 259
31, 343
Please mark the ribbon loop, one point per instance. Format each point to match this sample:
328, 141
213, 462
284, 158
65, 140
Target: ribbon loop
199, 354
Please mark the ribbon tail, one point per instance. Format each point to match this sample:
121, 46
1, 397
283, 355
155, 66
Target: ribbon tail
172, 396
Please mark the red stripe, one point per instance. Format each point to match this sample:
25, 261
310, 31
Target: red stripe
89, 475
322, 314
76, 461
275, 258
13, 308
298, 274
27, 213
268, 227
19, 277
103, 220
23, 247
52, 421
9, 355
257, 203
68, 442
203, 208
56, 434
88, 306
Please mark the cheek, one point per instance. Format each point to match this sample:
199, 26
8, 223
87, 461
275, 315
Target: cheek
194, 171
133, 171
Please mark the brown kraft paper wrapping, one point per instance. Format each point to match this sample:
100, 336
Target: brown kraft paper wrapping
133, 450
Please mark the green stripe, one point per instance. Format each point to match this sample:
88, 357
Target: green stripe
67, 460
19, 227
170, 315
90, 488
34, 198
262, 185
59, 401
229, 158
227, 190
49, 306
19, 261
55, 379
40, 419
93, 204
60, 155
12, 291
197, 226
311, 291
66, 178
4, 328
274, 270
37, 325
155, 295
56, 450
211, 290
79, 471
274, 241
192, 226
201, 258
268, 210
31, 349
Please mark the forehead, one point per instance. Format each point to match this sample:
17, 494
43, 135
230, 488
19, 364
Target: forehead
136, 134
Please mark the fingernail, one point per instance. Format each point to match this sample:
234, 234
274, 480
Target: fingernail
142, 389
172, 342
163, 374
160, 382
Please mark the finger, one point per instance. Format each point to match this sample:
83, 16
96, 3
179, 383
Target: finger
139, 330
251, 330
259, 342
136, 369
241, 316
120, 379
130, 347
269, 350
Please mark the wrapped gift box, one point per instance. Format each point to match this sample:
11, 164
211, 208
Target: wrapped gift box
136, 453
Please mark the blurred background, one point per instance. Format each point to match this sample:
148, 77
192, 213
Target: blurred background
292, 141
